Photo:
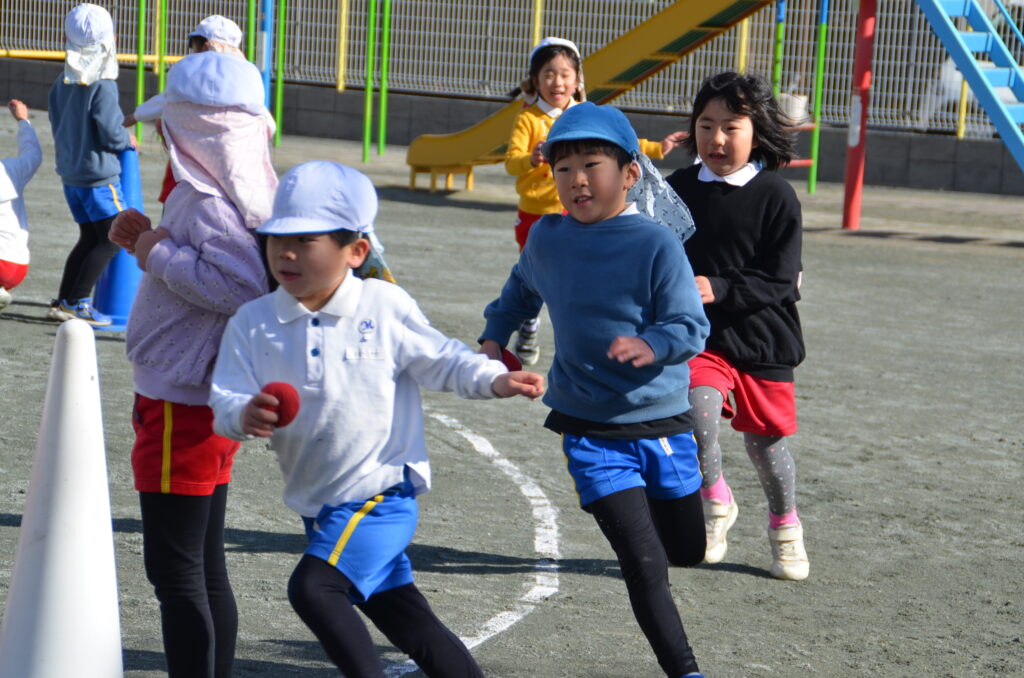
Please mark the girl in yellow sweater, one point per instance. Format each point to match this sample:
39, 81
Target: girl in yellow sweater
553, 84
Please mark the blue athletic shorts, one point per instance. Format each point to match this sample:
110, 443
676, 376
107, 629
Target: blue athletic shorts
666, 467
366, 540
94, 203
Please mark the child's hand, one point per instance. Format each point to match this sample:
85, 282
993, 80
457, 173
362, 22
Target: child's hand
127, 227
491, 349
129, 120
631, 349
133, 141
18, 109
257, 420
529, 384
146, 241
707, 295
673, 140
537, 158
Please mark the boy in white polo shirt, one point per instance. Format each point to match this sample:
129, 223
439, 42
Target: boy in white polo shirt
354, 458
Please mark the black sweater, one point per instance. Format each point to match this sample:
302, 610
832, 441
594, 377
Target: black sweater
747, 243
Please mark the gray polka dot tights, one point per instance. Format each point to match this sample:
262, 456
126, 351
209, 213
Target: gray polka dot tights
770, 455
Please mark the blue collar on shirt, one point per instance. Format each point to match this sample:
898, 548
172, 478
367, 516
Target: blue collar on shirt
342, 303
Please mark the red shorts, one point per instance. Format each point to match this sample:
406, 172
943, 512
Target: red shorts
12, 274
763, 407
176, 450
524, 221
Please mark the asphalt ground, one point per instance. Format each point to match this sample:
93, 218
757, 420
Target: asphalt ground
910, 457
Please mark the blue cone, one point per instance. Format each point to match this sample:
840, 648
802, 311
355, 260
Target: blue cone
115, 290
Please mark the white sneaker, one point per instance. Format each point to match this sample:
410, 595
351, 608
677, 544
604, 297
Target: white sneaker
5, 298
789, 558
527, 349
718, 518
56, 313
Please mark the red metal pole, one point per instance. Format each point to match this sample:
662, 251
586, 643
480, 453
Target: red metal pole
859, 114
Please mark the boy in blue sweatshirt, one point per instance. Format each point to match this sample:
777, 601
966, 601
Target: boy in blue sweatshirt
86, 118
627, 317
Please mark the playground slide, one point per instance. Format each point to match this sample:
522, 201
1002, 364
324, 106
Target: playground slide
611, 71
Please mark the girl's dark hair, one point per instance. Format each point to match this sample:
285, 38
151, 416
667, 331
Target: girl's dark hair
563, 149
748, 95
543, 55
196, 43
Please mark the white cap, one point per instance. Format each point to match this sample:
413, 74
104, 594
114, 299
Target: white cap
549, 41
219, 29
216, 79
88, 24
321, 196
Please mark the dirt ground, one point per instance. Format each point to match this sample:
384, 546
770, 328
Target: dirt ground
910, 458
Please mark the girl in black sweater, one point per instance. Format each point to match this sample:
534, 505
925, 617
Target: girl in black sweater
746, 258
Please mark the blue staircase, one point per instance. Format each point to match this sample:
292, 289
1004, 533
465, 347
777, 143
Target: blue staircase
983, 40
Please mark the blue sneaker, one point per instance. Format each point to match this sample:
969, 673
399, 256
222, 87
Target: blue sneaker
84, 310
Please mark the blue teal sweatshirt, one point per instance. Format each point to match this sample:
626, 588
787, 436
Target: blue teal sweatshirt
624, 276
87, 132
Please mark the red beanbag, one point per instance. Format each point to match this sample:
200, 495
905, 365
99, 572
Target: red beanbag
288, 398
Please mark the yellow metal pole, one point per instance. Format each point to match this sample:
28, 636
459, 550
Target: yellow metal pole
59, 55
538, 9
342, 44
743, 46
961, 112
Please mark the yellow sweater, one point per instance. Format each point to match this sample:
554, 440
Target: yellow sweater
535, 185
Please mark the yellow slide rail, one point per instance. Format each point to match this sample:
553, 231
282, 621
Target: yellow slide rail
616, 68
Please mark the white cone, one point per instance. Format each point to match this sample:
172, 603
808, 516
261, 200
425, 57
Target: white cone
61, 617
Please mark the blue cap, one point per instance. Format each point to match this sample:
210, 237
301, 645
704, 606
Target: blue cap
590, 121
321, 196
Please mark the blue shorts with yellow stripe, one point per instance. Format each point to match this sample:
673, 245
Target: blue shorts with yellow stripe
666, 467
94, 203
366, 540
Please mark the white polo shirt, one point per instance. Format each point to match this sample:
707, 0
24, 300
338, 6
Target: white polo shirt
357, 364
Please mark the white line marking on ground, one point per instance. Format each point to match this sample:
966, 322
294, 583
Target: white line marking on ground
545, 542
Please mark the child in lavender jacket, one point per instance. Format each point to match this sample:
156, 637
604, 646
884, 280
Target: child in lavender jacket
201, 264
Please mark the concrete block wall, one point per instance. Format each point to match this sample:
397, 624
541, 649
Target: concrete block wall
925, 161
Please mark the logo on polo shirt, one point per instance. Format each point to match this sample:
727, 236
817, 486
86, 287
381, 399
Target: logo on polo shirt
366, 327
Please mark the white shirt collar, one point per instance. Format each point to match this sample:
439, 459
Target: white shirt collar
342, 303
738, 178
631, 208
551, 111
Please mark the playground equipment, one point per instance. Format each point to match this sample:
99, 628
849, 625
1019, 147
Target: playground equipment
990, 77
613, 70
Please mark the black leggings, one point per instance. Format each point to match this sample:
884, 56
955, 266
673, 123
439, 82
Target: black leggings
183, 546
87, 259
320, 595
647, 534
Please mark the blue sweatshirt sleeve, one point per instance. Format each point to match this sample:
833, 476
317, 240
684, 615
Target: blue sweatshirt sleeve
518, 302
680, 325
106, 113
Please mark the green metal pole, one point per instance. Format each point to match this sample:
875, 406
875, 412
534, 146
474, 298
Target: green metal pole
385, 53
819, 86
780, 41
371, 43
279, 93
140, 63
163, 11
250, 32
